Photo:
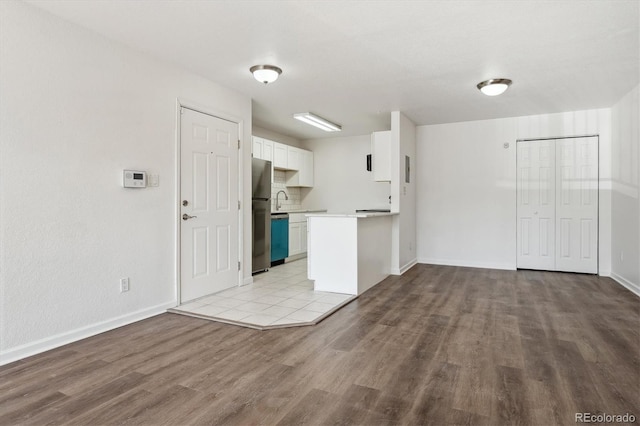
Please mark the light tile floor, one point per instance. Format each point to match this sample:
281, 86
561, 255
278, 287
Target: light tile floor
280, 297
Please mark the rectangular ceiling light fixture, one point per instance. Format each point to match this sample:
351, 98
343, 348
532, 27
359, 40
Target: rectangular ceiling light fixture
317, 121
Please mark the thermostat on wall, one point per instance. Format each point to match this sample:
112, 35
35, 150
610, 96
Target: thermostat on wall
134, 179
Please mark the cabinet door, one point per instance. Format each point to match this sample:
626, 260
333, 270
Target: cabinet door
304, 176
293, 158
306, 169
267, 150
381, 156
256, 148
267, 154
294, 239
279, 155
303, 237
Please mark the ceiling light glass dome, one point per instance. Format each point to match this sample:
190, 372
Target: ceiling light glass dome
495, 86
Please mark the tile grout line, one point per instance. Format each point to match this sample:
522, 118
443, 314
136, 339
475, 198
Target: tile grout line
206, 306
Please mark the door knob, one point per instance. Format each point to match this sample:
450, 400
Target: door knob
187, 217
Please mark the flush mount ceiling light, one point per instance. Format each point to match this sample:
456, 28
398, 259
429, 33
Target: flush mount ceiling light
317, 121
265, 73
495, 86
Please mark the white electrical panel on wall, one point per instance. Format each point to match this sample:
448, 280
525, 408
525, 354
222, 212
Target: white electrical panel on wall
134, 179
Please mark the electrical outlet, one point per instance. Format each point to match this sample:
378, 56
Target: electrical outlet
124, 284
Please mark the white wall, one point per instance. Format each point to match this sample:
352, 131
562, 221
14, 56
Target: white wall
275, 136
625, 232
77, 109
341, 180
466, 183
403, 194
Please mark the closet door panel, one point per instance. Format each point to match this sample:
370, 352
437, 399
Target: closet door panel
536, 205
577, 205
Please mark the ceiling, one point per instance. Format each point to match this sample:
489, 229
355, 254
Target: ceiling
353, 62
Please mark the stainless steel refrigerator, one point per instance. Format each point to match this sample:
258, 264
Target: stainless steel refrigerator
261, 214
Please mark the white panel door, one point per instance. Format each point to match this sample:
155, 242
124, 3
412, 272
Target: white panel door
536, 205
577, 205
209, 204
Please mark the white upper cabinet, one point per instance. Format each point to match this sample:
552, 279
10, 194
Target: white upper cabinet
293, 158
296, 162
267, 150
256, 148
263, 149
381, 156
286, 157
304, 175
280, 159
306, 171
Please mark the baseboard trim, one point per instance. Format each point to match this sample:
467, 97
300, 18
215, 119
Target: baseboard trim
48, 343
247, 281
404, 268
634, 288
295, 257
468, 264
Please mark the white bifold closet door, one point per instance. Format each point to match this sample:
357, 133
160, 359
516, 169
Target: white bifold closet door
557, 207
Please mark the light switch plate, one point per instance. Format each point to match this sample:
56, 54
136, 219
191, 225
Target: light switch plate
153, 180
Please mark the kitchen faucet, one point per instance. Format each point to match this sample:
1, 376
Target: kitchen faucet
277, 195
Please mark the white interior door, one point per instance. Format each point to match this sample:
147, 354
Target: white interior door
557, 205
536, 205
209, 204
577, 205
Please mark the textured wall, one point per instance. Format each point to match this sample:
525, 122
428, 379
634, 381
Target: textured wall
466, 209
76, 110
341, 180
625, 253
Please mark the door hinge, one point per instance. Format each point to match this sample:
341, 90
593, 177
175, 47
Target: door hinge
238, 266
238, 204
238, 143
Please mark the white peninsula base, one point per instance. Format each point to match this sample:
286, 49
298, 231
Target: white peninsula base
349, 253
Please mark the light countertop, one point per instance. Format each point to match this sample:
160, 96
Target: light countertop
298, 211
357, 215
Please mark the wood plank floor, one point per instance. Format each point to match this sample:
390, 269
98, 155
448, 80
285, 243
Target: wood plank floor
439, 345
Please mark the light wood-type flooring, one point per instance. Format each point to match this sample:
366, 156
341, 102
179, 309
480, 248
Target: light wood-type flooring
439, 345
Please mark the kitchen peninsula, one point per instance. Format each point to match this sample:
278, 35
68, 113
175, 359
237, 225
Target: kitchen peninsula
349, 253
